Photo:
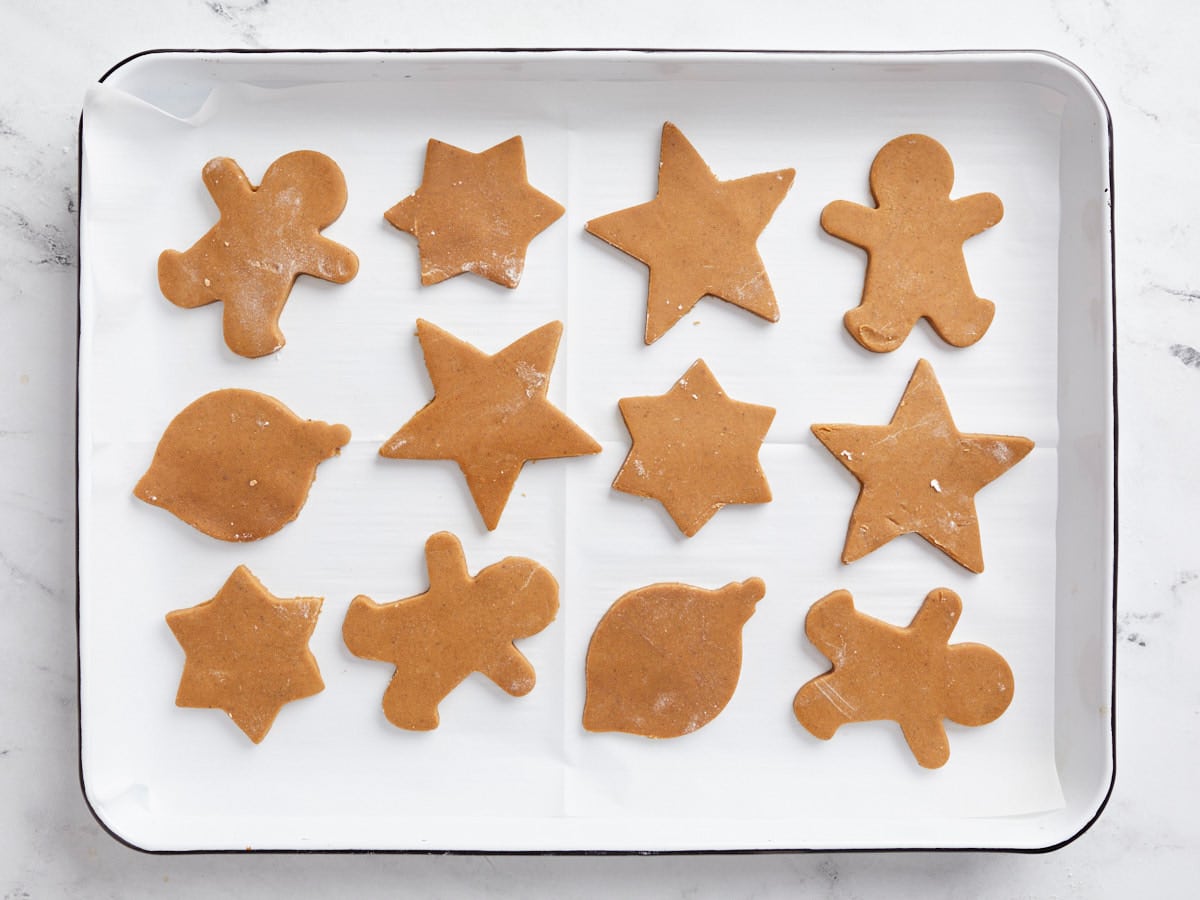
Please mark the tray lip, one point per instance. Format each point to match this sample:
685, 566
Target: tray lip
850, 55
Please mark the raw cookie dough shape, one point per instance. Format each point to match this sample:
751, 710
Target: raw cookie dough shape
665, 659
919, 474
462, 624
695, 449
698, 236
474, 212
237, 465
913, 239
489, 413
266, 237
247, 652
911, 676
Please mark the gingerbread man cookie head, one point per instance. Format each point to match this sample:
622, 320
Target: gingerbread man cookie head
912, 171
266, 237
983, 684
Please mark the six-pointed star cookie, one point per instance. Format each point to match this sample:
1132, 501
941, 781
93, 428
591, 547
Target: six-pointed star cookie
474, 212
919, 474
247, 652
694, 449
698, 236
489, 413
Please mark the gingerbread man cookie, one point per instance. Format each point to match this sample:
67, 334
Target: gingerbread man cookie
266, 237
914, 239
911, 676
462, 624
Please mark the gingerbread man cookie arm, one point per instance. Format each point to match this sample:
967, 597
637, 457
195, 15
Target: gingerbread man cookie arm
851, 222
226, 183
976, 213
936, 618
828, 621
332, 262
445, 561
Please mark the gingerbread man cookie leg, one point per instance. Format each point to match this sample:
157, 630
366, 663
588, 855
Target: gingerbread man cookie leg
911, 676
913, 238
265, 238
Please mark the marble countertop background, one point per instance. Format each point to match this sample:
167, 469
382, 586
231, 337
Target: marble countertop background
1143, 59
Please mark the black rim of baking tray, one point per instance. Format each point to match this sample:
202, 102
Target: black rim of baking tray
648, 51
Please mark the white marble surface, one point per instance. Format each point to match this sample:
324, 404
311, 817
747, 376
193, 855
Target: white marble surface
1143, 59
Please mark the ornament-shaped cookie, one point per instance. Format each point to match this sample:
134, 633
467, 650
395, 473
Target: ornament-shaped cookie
266, 237
462, 624
474, 212
698, 236
914, 239
237, 465
912, 676
665, 659
247, 652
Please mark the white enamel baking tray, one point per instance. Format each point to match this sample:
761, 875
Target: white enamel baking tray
505, 774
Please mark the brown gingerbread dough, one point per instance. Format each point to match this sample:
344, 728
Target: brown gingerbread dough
919, 474
462, 624
489, 413
911, 676
914, 239
247, 652
474, 212
695, 449
266, 237
698, 236
237, 464
665, 659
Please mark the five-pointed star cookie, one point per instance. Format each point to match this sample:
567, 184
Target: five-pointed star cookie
694, 449
698, 236
247, 652
474, 212
489, 413
919, 474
